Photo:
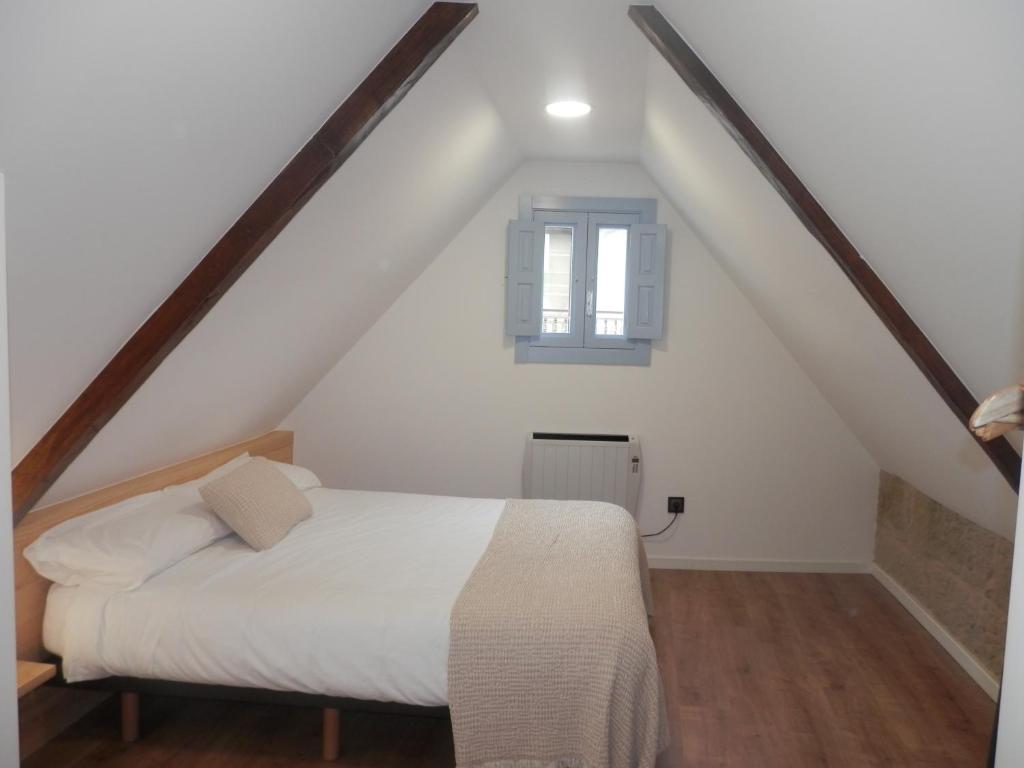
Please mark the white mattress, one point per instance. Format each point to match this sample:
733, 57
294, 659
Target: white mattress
353, 602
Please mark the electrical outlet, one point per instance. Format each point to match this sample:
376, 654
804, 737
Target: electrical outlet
676, 505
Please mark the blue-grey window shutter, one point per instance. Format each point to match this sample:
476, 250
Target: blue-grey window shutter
645, 282
524, 278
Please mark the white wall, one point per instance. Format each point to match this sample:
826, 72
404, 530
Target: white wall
430, 400
1010, 744
814, 309
8, 644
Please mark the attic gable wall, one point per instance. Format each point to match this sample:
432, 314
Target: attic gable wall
430, 400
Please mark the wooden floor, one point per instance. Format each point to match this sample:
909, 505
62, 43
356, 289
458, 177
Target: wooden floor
760, 670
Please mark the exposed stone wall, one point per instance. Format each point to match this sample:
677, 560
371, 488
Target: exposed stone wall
956, 569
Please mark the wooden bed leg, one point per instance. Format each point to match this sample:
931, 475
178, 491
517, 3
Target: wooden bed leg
129, 716
332, 733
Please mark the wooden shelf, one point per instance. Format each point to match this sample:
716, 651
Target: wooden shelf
32, 674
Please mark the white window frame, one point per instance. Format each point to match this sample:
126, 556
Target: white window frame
581, 345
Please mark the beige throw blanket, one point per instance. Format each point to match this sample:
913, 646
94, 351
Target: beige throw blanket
551, 663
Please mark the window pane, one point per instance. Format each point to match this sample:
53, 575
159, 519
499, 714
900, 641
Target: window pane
610, 309
557, 279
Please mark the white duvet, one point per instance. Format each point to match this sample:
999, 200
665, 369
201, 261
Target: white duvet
353, 602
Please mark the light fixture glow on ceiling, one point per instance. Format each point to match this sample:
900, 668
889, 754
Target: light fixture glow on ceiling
568, 109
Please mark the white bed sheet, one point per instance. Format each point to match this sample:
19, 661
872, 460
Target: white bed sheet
353, 602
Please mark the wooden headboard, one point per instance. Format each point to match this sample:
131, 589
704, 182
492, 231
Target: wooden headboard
31, 588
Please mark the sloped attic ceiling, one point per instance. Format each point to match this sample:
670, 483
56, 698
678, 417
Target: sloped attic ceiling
904, 120
133, 135
881, 124
167, 149
532, 52
814, 309
358, 243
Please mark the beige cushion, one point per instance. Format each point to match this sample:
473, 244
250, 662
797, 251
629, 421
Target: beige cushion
259, 503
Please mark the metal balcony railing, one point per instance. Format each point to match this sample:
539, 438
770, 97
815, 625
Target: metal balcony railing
605, 323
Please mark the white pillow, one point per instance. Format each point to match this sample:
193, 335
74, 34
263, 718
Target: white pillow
120, 546
301, 478
212, 475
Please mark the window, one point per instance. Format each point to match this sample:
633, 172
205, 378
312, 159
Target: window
556, 306
585, 280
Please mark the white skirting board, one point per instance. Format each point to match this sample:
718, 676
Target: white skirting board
953, 647
772, 566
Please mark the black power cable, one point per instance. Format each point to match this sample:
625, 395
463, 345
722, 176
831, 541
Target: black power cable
675, 516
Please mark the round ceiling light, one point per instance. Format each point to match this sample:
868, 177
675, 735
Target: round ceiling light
568, 109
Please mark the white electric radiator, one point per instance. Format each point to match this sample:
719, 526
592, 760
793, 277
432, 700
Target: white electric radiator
594, 467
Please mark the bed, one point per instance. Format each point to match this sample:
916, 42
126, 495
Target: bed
382, 600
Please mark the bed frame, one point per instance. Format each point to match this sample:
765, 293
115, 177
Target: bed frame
31, 590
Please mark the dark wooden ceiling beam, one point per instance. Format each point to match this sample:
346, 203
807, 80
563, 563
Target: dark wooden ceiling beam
314, 164
708, 89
